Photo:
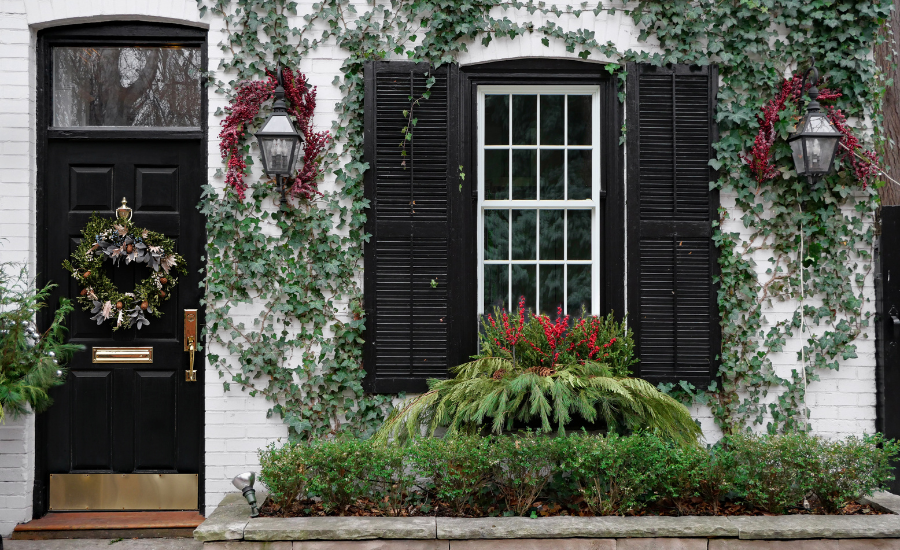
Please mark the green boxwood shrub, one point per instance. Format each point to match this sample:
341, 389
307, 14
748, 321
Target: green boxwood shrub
613, 474
525, 464
455, 470
846, 469
342, 473
285, 470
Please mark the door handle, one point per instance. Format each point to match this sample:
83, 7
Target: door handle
190, 342
191, 375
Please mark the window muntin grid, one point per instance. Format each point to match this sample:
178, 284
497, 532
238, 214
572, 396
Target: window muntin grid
539, 190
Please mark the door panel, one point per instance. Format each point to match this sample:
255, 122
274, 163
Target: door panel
91, 188
154, 418
91, 421
156, 188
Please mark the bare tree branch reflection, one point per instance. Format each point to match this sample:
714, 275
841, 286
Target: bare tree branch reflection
132, 86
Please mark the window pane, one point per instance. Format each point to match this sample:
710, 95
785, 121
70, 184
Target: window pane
496, 234
523, 284
524, 180
551, 235
580, 120
579, 289
551, 288
552, 115
126, 86
579, 234
496, 287
496, 174
579, 174
552, 180
524, 114
523, 234
496, 120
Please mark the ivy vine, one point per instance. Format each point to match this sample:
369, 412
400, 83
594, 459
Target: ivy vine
299, 263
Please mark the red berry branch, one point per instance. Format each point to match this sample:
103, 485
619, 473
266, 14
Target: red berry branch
248, 98
760, 157
243, 110
863, 162
302, 104
554, 331
534, 341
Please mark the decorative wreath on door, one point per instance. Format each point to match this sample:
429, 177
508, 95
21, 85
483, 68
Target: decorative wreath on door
119, 239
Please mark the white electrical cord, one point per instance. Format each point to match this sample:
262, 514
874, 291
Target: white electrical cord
802, 314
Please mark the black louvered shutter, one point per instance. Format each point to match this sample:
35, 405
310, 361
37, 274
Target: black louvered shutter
412, 291
671, 257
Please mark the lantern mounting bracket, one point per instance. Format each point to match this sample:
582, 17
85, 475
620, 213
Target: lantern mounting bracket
815, 82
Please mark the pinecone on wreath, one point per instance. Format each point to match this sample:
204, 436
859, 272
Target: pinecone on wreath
541, 371
498, 374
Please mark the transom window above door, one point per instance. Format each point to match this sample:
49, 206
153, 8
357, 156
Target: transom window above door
539, 196
131, 86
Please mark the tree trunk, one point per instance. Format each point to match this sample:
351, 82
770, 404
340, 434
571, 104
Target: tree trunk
887, 58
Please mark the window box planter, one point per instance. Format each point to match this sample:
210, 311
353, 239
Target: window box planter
230, 527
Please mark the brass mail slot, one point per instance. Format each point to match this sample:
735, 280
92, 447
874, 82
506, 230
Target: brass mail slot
122, 355
123, 492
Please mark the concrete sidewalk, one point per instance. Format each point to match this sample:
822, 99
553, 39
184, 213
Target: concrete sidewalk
104, 544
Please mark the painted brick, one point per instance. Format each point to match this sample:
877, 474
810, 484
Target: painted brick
14, 475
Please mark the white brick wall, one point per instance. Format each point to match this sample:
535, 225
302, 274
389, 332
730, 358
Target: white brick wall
842, 403
16, 471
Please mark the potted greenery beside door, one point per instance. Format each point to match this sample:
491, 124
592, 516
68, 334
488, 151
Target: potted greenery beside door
31, 362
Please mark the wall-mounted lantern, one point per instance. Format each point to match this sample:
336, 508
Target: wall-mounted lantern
279, 141
815, 142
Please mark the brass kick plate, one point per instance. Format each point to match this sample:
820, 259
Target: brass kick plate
122, 355
123, 492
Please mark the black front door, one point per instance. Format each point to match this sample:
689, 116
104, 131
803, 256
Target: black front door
119, 120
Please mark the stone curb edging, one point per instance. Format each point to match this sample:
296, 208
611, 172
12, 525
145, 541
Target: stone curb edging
231, 522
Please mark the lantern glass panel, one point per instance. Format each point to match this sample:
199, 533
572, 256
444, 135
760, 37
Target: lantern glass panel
278, 123
278, 153
797, 152
820, 151
818, 123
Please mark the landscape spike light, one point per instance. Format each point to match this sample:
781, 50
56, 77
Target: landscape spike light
245, 482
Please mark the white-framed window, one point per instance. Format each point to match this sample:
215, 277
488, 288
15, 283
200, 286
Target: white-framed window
539, 198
